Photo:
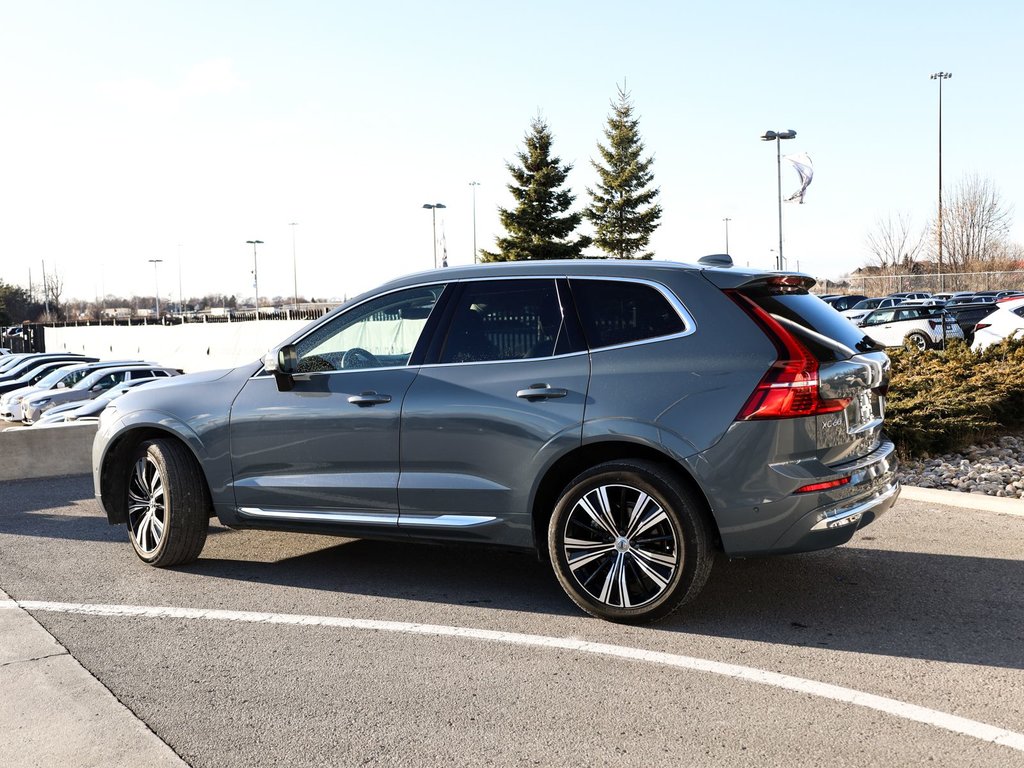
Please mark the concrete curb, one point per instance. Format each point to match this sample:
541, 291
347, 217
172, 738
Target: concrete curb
975, 501
56, 713
46, 451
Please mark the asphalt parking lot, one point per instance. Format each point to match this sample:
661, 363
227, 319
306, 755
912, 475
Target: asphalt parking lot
905, 646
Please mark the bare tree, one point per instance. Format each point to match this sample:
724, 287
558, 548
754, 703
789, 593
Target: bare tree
893, 243
53, 289
975, 226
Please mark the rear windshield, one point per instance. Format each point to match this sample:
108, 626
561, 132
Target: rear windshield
805, 311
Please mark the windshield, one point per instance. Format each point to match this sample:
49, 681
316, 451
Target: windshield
53, 377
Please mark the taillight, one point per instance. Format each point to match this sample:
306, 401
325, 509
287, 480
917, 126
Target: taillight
979, 326
789, 389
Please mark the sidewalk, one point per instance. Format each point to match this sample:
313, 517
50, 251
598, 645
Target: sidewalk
964, 500
53, 712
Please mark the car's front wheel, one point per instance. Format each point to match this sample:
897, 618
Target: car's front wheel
628, 542
168, 504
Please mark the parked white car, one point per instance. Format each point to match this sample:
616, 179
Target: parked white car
920, 326
1006, 321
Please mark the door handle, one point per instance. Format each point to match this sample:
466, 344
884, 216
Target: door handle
541, 392
364, 399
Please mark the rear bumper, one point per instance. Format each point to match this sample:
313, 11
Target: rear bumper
859, 514
766, 514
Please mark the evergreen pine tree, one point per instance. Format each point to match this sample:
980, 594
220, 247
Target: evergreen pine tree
623, 210
540, 226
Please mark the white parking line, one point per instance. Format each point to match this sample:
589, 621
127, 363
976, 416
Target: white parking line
932, 717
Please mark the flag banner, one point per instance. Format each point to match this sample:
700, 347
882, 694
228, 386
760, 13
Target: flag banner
802, 164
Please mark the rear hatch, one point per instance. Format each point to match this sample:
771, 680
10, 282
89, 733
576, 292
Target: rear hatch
827, 368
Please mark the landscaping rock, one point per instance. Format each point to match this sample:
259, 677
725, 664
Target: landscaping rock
995, 468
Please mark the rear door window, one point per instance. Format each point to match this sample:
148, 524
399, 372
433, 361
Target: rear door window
506, 320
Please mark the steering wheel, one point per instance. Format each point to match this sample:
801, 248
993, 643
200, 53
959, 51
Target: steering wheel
357, 357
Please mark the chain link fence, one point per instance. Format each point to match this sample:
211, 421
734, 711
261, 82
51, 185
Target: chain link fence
947, 282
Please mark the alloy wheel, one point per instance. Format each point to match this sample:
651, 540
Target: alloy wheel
147, 505
620, 546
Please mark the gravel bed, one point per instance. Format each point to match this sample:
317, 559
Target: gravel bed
995, 468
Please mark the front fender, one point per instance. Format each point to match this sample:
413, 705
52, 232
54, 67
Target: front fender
116, 441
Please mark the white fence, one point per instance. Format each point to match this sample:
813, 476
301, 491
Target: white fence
191, 347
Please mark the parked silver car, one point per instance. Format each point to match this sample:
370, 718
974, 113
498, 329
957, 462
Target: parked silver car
94, 384
623, 419
64, 377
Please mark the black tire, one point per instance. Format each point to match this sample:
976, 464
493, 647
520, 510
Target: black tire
917, 340
623, 560
168, 504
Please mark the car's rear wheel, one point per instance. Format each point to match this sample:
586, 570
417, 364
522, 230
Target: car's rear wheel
628, 542
168, 504
917, 340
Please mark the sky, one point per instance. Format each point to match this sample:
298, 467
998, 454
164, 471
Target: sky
179, 130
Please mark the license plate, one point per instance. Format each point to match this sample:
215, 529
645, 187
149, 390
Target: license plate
867, 411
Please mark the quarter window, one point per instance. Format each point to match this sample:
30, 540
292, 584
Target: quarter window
617, 312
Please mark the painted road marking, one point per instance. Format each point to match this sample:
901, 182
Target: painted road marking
954, 723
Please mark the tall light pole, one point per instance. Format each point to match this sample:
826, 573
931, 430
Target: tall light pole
295, 269
255, 274
181, 307
156, 277
433, 215
474, 185
940, 76
777, 137
727, 220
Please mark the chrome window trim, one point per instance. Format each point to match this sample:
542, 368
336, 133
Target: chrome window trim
510, 360
689, 323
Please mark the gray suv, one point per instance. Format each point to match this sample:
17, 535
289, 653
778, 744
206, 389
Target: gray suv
623, 419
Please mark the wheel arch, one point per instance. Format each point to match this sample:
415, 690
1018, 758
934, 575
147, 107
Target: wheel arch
113, 480
570, 465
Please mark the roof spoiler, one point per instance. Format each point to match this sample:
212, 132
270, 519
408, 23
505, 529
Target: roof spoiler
787, 281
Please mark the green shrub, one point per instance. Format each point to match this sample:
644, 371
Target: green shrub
944, 400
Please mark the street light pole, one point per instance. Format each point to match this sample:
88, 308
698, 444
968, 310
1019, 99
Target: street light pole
940, 76
433, 215
181, 308
726, 220
474, 185
255, 274
777, 137
295, 272
156, 277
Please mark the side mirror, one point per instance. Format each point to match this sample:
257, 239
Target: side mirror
283, 362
